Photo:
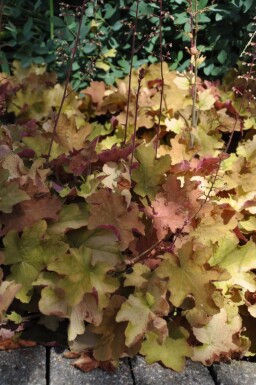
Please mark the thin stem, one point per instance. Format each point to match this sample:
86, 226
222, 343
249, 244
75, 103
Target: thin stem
162, 75
141, 76
67, 81
248, 44
144, 254
130, 73
194, 94
147, 38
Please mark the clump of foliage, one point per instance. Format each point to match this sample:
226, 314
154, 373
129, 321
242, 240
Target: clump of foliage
119, 249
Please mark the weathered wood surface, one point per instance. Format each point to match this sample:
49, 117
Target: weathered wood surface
41, 366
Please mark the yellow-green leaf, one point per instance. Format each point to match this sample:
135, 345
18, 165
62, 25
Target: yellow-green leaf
172, 352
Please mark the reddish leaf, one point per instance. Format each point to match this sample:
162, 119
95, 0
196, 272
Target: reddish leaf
85, 363
167, 216
181, 168
173, 208
10, 344
26, 213
115, 154
71, 355
207, 166
109, 210
239, 234
81, 161
96, 92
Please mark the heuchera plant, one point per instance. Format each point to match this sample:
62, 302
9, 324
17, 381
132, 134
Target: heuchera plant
117, 242
88, 238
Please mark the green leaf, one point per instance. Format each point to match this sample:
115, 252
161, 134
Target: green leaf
171, 352
247, 5
14, 317
8, 290
109, 11
237, 260
249, 224
218, 338
29, 255
27, 27
202, 4
103, 244
222, 56
117, 25
10, 193
189, 275
138, 277
206, 100
4, 63
81, 277
150, 173
137, 311
71, 216
40, 145
218, 16
53, 302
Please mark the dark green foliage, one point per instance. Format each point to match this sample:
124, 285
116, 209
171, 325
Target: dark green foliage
25, 34
107, 30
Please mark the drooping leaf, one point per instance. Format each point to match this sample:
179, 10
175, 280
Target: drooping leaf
137, 311
85, 363
111, 342
53, 302
8, 290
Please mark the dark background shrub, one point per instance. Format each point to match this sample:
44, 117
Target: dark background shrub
105, 41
